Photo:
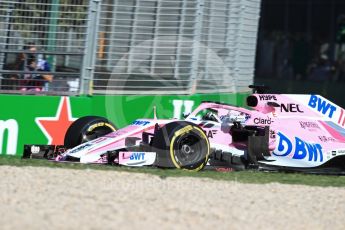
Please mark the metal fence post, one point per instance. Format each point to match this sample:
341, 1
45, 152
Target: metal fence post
179, 40
90, 53
196, 45
3, 56
53, 21
231, 49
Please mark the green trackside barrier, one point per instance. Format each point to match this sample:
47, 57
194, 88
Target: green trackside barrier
38, 119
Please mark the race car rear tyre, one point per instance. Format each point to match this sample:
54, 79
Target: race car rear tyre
86, 129
181, 145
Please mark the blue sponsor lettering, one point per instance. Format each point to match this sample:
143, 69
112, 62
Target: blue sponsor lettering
302, 149
80, 148
313, 150
140, 123
137, 156
284, 147
322, 106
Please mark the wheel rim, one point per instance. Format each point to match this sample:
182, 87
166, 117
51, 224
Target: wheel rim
188, 150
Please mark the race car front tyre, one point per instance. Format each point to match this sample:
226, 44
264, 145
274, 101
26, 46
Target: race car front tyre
86, 129
181, 145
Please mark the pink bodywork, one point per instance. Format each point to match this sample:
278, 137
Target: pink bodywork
310, 122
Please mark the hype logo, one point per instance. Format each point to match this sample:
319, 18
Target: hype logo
299, 148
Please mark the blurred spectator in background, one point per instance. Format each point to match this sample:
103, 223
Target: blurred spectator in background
36, 81
282, 57
340, 62
32, 48
265, 55
26, 81
26, 62
33, 62
341, 30
44, 66
300, 57
288, 57
340, 67
21, 63
321, 69
24, 59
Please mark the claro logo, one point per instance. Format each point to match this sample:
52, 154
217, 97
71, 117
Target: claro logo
9, 127
263, 121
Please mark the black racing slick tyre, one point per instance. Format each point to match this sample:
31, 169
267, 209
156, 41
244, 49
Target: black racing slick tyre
86, 129
181, 145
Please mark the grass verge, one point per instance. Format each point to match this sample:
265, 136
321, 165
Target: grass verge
238, 176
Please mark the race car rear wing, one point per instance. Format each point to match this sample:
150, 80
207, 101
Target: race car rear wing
298, 105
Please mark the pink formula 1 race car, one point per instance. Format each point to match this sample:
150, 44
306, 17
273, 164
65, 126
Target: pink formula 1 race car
280, 132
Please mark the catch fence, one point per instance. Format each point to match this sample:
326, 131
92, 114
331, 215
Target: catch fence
128, 46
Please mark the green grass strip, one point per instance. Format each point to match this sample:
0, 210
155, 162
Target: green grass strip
254, 177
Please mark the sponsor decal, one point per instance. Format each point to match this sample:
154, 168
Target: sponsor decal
116, 133
210, 133
322, 106
299, 149
140, 122
264, 97
179, 104
263, 121
326, 139
224, 169
341, 151
35, 149
309, 125
54, 128
290, 108
80, 148
99, 140
137, 156
327, 108
341, 120
11, 128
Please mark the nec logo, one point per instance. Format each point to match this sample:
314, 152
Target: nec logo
322, 106
290, 108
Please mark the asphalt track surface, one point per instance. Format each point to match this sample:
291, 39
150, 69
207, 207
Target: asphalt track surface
51, 198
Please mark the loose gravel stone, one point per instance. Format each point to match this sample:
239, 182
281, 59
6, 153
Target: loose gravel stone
51, 198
